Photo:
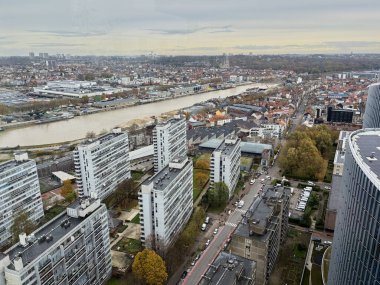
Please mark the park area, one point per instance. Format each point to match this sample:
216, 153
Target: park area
291, 259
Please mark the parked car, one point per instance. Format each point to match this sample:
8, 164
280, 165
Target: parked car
204, 226
207, 220
184, 274
252, 181
327, 187
207, 243
215, 231
310, 183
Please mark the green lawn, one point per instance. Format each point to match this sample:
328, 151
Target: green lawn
136, 175
246, 161
128, 245
136, 219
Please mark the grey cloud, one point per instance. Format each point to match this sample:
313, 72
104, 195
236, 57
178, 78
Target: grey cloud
210, 29
55, 45
72, 33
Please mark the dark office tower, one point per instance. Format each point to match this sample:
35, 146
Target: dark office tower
356, 246
372, 109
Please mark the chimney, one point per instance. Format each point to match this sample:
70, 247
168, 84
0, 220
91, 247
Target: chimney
22, 238
18, 263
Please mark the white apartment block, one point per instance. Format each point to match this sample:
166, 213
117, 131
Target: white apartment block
169, 140
102, 164
20, 190
267, 130
340, 153
225, 163
73, 248
166, 203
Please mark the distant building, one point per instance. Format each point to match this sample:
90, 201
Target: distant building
371, 117
336, 197
102, 164
20, 190
262, 230
339, 115
73, 248
31, 55
230, 269
166, 203
169, 140
225, 163
355, 257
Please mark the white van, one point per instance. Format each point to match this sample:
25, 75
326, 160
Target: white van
207, 220
204, 226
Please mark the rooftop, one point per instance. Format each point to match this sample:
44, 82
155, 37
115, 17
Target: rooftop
8, 165
366, 146
167, 175
228, 145
246, 147
46, 236
261, 213
105, 138
229, 269
336, 195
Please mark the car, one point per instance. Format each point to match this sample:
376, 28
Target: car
215, 231
252, 181
327, 187
310, 183
207, 243
204, 226
327, 242
225, 245
184, 274
207, 220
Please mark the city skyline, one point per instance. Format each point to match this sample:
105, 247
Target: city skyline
166, 27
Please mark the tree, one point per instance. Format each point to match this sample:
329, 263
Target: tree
21, 224
201, 179
84, 99
67, 191
218, 195
202, 164
149, 267
125, 190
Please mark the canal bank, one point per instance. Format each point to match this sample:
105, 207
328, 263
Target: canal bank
78, 127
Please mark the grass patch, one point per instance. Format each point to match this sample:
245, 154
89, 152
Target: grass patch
246, 162
136, 219
316, 275
136, 175
128, 245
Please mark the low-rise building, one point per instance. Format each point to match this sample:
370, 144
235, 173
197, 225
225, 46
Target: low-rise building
230, 269
225, 163
261, 231
166, 203
20, 191
73, 248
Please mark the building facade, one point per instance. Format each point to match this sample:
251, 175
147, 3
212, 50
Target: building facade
169, 140
371, 117
20, 190
225, 163
102, 164
355, 250
73, 248
335, 197
262, 230
339, 115
166, 203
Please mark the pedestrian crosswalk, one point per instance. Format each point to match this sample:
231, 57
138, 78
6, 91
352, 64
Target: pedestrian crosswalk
241, 211
231, 224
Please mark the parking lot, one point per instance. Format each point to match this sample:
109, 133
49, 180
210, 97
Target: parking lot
293, 203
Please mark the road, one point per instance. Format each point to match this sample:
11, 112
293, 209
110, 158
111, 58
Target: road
217, 243
251, 191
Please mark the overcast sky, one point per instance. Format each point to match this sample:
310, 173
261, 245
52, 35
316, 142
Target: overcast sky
129, 27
